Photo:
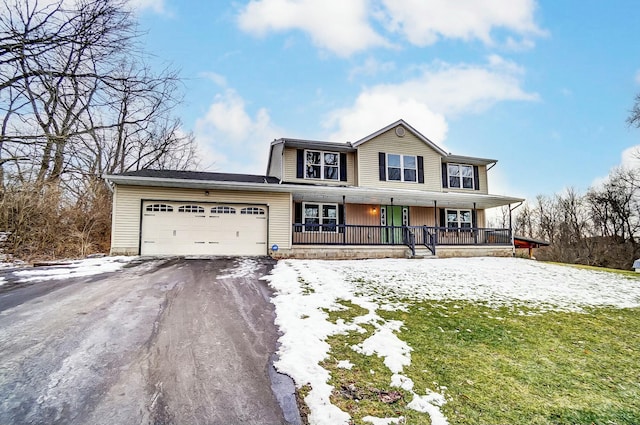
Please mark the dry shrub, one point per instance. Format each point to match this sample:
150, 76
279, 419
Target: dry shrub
44, 223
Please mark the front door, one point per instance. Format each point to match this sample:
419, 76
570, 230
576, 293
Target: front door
392, 218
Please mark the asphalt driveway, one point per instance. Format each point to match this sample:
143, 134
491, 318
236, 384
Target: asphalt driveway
173, 341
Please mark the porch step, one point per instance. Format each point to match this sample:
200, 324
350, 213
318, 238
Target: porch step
422, 253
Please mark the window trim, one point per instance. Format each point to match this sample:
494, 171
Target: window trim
460, 177
322, 165
402, 167
458, 222
322, 227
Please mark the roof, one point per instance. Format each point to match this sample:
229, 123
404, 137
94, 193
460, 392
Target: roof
198, 175
524, 242
303, 192
317, 144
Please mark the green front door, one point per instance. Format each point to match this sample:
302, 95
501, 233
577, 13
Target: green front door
393, 217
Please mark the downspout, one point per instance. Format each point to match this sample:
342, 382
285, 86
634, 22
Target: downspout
513, 244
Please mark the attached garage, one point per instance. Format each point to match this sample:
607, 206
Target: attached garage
157, 212
191, 228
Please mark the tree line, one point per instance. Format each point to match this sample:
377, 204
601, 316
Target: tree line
78, 100
600, 227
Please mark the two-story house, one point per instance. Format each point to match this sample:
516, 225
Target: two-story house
393, 193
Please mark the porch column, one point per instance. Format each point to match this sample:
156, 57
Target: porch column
344, 221
435, 221
475, 232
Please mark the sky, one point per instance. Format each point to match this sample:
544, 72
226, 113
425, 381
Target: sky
544, 87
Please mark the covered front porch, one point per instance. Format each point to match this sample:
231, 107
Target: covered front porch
357, 219
412, 237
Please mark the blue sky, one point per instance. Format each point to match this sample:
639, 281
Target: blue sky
544, 87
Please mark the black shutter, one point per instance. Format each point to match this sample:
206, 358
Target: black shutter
341, 218
443, 220
474, 218
420, 169
476, 178
300, 164
343, 167
382, 166
445, 178
297, 216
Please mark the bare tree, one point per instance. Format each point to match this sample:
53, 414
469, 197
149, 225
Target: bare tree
77, 101
78, 97
634, 114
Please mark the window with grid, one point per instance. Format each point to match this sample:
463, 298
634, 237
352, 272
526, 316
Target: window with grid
160, 207
223, 210
191, 209
459, 219
320, 217
252, 211
460, 176
322, 165
402, 168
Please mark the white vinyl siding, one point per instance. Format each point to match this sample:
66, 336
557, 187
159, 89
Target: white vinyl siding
389, 142
125, 235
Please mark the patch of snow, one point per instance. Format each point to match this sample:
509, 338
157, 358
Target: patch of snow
245, 267
345, 364
383, 421
74, 268
401, 381
385, 343
430, 403
306, 289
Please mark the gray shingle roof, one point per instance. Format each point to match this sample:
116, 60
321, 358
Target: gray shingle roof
201, 175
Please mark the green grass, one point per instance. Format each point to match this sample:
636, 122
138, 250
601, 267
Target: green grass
628, 273
500, 366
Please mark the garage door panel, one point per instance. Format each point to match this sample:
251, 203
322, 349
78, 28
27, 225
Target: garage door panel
201, 229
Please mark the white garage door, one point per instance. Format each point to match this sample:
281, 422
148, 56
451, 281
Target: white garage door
191, 228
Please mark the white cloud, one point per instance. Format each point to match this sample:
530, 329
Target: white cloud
440, 92
336, 25
376, 108
371, 68
156, 6
346, 27
425, 22
231, 140
630, 157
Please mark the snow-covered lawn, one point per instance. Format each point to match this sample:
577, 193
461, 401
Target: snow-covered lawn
73, 268
306, 289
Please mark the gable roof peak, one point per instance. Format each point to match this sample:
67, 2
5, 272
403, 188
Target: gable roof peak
408, 127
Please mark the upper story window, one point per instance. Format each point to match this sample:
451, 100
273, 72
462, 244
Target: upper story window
322, 165
460, 176
402, 168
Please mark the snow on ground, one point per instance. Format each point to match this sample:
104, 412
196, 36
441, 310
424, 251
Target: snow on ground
305, 288
73, 268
